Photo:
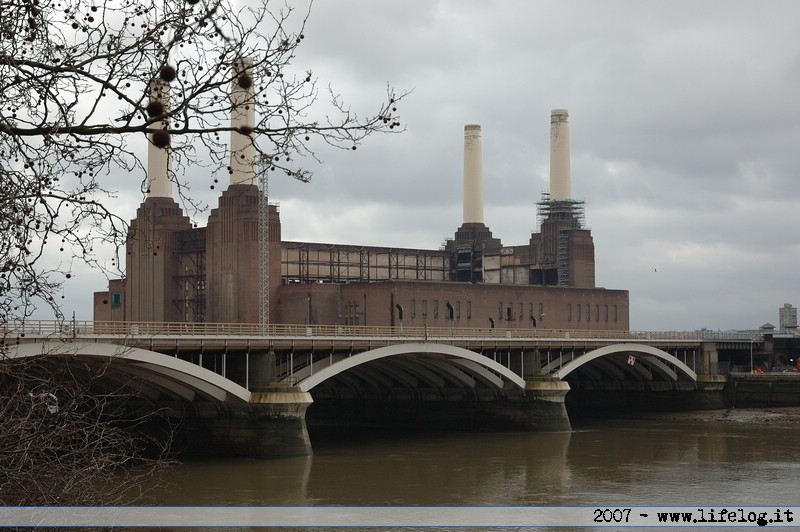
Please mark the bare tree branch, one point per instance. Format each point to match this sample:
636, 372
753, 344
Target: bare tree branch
74, 80
63, 441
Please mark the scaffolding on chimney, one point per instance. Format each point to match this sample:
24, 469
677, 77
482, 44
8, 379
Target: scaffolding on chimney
563, 257
568, 216
569, 212
263, 241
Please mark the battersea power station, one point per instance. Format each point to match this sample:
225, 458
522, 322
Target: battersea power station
176, 272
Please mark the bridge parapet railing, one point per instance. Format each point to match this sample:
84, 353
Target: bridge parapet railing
88, 329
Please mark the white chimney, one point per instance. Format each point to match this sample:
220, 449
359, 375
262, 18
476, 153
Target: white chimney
560, 177
473, 175
158, 159
243, 120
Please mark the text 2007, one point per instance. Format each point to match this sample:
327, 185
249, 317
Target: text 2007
609, 515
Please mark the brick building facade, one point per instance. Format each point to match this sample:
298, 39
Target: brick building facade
175, 272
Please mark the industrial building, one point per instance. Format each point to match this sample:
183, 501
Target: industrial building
179, 273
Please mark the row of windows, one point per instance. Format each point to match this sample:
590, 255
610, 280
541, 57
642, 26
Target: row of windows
513, 312
584, 313
452, 311
507, 313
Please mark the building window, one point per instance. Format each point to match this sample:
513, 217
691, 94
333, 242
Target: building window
116, 299
569, 312
424, 309
500, 311
435, 309
458, 310
605, 312
614, 313
469, 309
597, 313
541, 310
519, 316
351, 313
588, 313
578, 310
413, 308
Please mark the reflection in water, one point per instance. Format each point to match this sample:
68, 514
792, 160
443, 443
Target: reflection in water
604, 462
239, 482
478, 469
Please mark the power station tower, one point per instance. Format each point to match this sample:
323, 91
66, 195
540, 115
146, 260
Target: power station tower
473, 239
563, 250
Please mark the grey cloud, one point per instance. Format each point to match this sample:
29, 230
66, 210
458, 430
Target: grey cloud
684, 129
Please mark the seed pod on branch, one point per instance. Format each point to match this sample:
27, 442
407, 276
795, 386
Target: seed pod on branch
161, 138
167, 73
155, 108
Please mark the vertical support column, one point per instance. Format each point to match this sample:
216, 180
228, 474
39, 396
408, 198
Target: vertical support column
535, 365
261, 371
709, 358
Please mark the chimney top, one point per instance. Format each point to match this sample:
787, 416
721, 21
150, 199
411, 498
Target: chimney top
559, 115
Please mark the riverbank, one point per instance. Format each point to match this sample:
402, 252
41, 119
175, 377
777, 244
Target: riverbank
788, 415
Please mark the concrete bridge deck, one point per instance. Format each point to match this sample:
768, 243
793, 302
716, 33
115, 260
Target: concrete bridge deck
519, 376
297, 350
222, 334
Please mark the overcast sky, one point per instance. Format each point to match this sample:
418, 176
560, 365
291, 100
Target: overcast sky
685, 140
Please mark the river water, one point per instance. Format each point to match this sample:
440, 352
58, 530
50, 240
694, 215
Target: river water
601, 462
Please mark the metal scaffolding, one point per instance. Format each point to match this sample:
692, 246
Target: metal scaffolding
306, 262
568, 216
570, 213
263, 242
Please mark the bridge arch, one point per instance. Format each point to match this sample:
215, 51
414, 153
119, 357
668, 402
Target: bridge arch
657, 358
159, 372
438, 359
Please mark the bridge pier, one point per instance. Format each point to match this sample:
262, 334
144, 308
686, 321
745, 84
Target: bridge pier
277, 423
545, 404
273, 424
710, 393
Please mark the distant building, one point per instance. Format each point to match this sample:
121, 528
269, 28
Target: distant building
179, 273
787, 318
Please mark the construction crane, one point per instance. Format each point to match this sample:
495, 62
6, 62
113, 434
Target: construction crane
263, 242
